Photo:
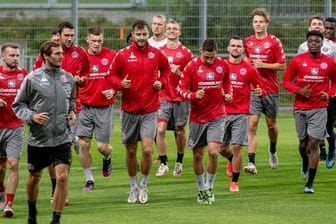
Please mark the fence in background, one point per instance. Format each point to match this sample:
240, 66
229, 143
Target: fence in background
30, 26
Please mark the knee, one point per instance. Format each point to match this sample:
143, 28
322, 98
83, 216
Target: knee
62, 178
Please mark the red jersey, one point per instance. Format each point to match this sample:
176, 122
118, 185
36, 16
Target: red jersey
10, 83
75, 61
143, 66
91, 93
179, 56
268, 50
243, 77
314, 73
213, 79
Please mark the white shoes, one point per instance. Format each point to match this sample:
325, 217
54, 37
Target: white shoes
133, 195
250, 168
163, 169
177, 169
143, 196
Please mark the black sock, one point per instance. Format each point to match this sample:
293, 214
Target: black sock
251, 157
272, 147
53, 186
312, 173
163, 159
305, 159
322, 148
32, 211
56, 217
179, 158
230, 158
235, 177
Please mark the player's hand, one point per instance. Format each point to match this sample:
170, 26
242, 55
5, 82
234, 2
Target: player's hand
228, 97
126, 83
72, 118
2, 103
41, 118
157, 85
258, 63
108, 93
78, 79
200, 93
175, 69
324, 96
305, 91
258, 91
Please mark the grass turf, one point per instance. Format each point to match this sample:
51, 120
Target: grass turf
271, 196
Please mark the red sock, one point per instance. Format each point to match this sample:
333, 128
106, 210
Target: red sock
9, 198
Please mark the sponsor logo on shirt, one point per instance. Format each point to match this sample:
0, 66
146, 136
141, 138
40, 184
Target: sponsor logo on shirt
44, 81
94, 68
210, 76
314, 71
132, 58
11, 83
233, 76
257, 50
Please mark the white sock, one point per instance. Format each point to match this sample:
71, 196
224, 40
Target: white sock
88, 174
200, 182
133, 182
143, 180
210, 180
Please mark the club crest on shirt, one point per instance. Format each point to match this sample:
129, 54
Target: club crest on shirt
150, 55
63, 78
314, 71
20, 76
210, 76
324, 65
104, 61
74, 54
243, 71
233, 76
11, 83
219, 69
94, 68
179, 55
257, 50
267, 45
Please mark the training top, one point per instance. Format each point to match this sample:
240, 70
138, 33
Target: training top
10, 83
314, 73
91, 92
179, 56
214, 79
143, 66
51, 90
157, 44
75, 61
243, 78
268, 50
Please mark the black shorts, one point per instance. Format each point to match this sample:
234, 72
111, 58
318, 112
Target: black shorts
41, 157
